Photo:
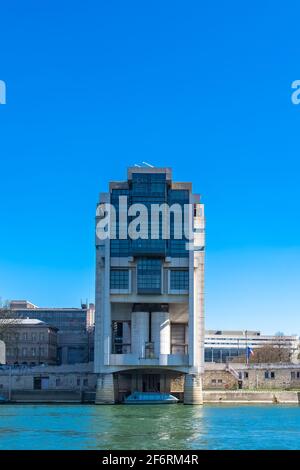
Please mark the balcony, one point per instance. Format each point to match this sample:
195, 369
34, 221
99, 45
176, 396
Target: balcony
165, 360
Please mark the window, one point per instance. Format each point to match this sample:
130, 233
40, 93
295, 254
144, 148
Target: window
42, 336
119, 279
220, 381
33, 336
293, 375
25, 336
33, 352
119, 248
179, 279
57, 382
177, 248
24, 352
78, 382
85, 382
148, 183
149, 276
178, 338
213, 381
269, 375
246, 375
120, 337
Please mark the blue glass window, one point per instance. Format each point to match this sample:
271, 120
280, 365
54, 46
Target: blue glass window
177, 248
119, 247
119, 279
149, 276
179, 279
148, 184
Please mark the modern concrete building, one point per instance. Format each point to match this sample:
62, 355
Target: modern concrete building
225, 345
74, 325
149, 319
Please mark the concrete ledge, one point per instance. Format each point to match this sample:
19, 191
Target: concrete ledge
46, 396
291, 397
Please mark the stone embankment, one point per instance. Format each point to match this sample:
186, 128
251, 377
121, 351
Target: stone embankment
246, 396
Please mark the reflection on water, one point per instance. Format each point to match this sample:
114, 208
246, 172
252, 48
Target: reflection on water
146, 427
149, 427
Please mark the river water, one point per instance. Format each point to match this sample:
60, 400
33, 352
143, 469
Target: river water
149, 427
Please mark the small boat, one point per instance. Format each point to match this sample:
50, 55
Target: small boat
150, 398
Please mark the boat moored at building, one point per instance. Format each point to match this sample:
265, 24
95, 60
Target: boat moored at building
150, 398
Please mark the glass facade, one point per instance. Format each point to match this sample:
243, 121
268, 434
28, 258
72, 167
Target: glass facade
119, 279
149, 276
222, 354
62, 319
179, 279
119, 247
149, 185
148, 189
177, 248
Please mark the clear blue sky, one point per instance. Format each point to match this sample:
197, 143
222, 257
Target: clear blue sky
203, 87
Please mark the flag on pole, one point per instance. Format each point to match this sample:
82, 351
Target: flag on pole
249, 352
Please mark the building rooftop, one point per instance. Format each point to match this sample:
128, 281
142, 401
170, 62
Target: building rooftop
233, 332
30, 321
25, 322
26, 305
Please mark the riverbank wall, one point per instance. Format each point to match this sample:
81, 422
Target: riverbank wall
209, 397
256, 396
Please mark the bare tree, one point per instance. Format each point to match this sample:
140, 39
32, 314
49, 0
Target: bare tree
274, 352
6, 319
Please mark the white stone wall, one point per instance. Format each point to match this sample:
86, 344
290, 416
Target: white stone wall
2, 352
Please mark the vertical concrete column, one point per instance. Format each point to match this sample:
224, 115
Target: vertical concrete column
193, 394
64, 355
161, 332
105, 391
139, 332
126, 337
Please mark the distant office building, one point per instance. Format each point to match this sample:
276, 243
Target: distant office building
225, 345
74, 325
29, 341
149, 325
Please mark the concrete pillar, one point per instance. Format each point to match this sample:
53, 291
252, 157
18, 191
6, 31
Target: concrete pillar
126, 337
105, 391
193, 394
161, 332
139, 332
64, 355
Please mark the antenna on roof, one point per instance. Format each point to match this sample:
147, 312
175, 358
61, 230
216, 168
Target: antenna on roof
139, 166
148, 164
